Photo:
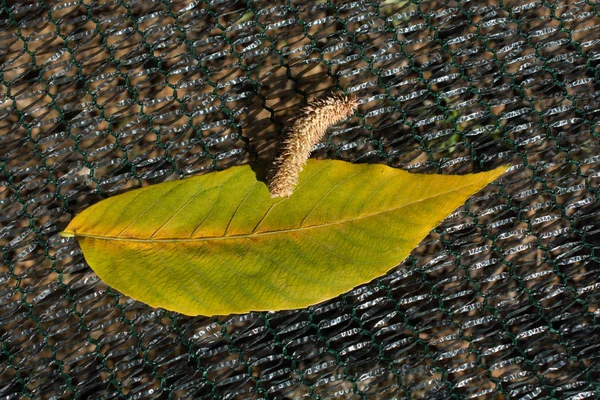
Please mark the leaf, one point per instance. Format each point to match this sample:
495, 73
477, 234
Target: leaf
219, 244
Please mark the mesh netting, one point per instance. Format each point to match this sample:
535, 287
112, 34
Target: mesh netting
499, 301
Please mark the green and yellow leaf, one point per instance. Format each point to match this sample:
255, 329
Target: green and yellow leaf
219, 244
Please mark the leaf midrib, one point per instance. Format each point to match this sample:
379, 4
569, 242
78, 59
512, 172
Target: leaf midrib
253, 235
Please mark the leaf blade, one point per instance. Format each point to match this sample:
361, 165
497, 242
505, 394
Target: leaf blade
220, 244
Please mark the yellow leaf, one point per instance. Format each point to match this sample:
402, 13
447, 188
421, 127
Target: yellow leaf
219, 244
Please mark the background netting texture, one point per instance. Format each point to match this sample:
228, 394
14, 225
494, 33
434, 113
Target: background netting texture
499, 301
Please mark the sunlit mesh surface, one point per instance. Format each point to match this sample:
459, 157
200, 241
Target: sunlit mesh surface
500, 301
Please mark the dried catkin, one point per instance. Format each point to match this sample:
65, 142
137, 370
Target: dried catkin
307, 130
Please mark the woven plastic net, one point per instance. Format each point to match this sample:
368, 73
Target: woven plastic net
499, 301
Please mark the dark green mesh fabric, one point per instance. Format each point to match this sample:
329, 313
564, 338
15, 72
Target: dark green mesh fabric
500, 301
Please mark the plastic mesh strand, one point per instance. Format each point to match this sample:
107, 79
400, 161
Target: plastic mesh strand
499, 301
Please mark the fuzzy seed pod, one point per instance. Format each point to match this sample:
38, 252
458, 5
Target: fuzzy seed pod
307, 130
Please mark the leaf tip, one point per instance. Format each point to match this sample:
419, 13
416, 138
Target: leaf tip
67, 234
502, 169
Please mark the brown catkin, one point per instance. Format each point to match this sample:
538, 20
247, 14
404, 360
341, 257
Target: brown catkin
306, 131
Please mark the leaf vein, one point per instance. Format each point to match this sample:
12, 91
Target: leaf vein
282, 231
149, 206
177, 212
238, 207
323, 197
